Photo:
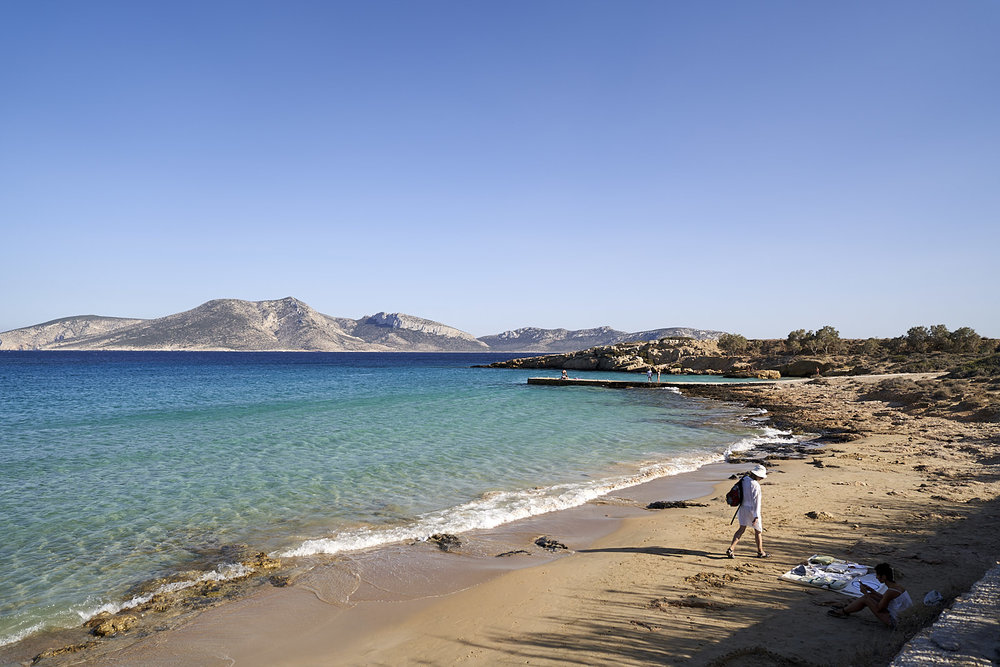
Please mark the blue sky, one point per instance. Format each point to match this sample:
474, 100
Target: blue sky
754, 167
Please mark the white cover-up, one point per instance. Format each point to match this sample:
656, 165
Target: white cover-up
750, 507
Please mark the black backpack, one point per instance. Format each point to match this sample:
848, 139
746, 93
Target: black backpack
735, 496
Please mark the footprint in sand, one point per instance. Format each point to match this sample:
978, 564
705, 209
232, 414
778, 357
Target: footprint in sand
711, 579
688, 602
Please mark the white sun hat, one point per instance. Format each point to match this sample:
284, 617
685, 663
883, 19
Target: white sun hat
759, 471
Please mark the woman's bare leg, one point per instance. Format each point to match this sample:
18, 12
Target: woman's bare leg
737, 536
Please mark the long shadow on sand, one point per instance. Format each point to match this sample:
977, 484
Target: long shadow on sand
630, 627
655, 551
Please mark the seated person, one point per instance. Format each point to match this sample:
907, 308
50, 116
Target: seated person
564, 375
886, 606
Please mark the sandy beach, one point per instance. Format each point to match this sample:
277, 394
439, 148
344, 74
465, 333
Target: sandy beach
639, 586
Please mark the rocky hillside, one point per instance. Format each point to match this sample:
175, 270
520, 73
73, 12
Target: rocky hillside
531, 339
232, 324
51, 334
414, 334
290, 324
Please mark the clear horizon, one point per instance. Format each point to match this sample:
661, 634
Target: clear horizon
639, 165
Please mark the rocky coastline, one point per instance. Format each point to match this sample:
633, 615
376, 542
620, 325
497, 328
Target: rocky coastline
681, 356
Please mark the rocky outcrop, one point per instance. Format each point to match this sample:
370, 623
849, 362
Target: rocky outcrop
107, 625
549, 544
446, 541
666, 356
685, 357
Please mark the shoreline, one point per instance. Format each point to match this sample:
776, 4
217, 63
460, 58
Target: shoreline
331, 580
917, 492
482, 543
294, 625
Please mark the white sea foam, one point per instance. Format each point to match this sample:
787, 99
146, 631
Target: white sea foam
767, 434
224, 572
494, 509
21, 634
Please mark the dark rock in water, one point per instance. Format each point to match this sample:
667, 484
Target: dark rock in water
74, 648
672, 504
260, 561
446, 541
550, 544
516, 552
235, 552
106, 625
278, 581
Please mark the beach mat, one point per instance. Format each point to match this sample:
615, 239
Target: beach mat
834, 574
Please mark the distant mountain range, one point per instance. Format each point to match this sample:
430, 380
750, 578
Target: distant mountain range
291, 325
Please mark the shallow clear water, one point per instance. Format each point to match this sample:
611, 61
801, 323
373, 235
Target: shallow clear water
118, 467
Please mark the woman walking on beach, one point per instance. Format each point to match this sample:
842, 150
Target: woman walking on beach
749, 512
886, 606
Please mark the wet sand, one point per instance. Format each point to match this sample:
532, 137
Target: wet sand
641, 586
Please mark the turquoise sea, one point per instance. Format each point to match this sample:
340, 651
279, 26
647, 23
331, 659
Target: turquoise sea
119, 467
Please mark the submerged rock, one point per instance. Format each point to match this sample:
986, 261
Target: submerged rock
106, 625
73, 648
446, 541
550, 544
261, 561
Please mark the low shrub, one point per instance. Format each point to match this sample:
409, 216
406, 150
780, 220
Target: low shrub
985, 367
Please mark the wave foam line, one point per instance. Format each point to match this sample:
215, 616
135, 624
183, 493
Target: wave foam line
224, 572
767, 435
492, 510
22, 634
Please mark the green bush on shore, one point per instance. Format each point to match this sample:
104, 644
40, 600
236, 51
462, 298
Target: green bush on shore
919, 340
980, 368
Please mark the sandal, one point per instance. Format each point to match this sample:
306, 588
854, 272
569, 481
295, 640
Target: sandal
763, 554
837, 613
729, 553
